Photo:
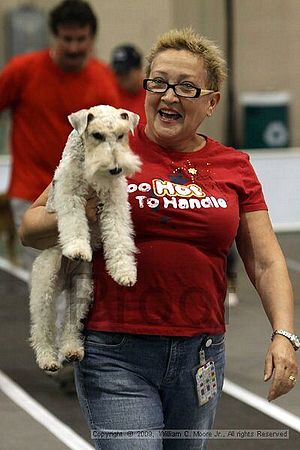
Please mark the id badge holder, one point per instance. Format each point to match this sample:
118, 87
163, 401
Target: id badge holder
206, 380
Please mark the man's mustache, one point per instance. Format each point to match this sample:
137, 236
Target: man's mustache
74, 55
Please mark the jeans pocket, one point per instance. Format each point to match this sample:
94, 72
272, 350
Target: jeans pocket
216, 348
104, 339
218, 340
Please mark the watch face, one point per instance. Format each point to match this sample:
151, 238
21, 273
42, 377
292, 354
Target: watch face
295, 340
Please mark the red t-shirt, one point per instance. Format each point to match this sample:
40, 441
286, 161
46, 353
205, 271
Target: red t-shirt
134, 102
40, 96
185, 210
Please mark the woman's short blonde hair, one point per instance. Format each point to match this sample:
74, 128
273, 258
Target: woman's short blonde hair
188, 39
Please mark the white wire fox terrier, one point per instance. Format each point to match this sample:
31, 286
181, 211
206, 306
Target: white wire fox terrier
96, 155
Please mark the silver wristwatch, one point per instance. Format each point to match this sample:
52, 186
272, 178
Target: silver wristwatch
293, 338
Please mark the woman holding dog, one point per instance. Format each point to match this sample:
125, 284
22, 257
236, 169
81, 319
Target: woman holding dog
154, 352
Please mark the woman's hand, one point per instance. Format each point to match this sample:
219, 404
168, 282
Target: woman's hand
281, 364
91, 208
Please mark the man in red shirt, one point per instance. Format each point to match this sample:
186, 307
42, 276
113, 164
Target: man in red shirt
41, 89
127, 64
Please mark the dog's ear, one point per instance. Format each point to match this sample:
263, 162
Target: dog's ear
132, 117
134, 120
80, 119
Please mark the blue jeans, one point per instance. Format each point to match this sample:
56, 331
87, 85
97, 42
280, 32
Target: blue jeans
146, 383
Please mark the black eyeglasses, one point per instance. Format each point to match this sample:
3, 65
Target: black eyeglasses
186, 90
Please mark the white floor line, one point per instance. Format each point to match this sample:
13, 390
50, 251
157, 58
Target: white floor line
259, 403
64, 433
12, 269
230, 388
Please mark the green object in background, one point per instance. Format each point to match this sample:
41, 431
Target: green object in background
265, 119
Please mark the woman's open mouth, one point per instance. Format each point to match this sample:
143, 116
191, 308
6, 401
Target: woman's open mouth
169, 115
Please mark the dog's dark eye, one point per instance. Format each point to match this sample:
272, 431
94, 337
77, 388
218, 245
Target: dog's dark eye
124, 116
120, 137
99, 136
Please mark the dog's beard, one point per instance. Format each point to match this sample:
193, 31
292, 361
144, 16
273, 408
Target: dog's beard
131, 164
99, 165
96, 165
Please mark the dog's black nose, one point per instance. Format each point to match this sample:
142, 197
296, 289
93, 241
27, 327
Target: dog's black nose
115, 171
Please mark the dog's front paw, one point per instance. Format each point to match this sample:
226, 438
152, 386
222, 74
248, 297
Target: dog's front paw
125, 278
79, 249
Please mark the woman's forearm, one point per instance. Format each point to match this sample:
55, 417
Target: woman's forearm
266, 268
39, 228
275, 290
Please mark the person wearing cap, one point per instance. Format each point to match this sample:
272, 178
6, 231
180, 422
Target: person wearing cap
127, 64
